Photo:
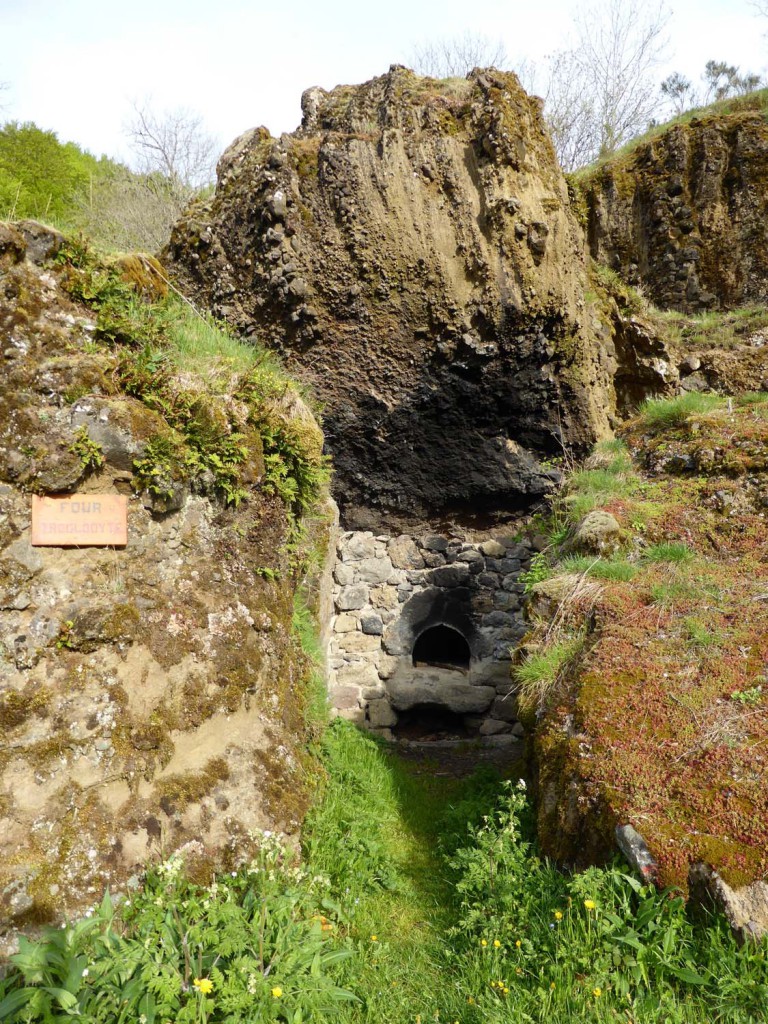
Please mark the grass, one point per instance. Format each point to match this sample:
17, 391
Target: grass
715, 329
757, 100
669, 551
614, 569
659, 414
421, 898
541, 672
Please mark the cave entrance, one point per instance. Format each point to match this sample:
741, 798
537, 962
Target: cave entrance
425, 722
441, 647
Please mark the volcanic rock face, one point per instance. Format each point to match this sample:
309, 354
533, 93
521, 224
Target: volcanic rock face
149, 695
411, 249
685, 214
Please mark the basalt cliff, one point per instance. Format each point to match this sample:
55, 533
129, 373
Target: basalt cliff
412, 252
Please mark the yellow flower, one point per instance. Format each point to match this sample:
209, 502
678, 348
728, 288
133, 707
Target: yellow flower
518, 943
552, 986
470, 1000
374, 938
483, 942
589, 904
496, 943
204, 985
597, 992
276, 992
505, 990
558, 915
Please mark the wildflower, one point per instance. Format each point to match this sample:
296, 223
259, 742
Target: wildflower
85, 972
496, 943
589, 904
597, 992
518, 943
204, 985
374, 938
552, 986
276, 992
470, 1000
483, 942
505, 991
558, 915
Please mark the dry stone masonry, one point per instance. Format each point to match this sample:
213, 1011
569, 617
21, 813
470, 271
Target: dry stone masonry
427, 622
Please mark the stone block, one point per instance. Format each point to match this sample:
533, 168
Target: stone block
450, 575
497, 618
346, 622
433, 558
359, 675
384, 597
493, 727
489, 580
357, 546
433, 542
492, 549
373, 570
404, 553
357, 643
388, 665
352, 597
372, 623
506, 601
344, 574
381, 715
439, 687
505, 708
345, 697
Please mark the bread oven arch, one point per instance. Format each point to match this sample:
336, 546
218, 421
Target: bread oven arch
442, 646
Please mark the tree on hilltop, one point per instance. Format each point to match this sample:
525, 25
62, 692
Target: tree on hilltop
456, 56
176, 145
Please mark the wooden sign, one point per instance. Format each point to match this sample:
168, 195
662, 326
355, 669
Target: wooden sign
80, 520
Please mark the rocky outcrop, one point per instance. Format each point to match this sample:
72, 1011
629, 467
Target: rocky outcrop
151, 695
411, 249
684, 214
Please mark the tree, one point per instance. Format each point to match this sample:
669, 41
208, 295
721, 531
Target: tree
723, 80
679, 91
175, 145
456, 56
602, 92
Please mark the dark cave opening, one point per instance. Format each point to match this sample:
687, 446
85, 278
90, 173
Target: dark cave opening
430, 722
442, 647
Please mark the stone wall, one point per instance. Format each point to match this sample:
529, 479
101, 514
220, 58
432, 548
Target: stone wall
389, 591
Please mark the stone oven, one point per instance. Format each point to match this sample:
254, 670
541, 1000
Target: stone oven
426, 625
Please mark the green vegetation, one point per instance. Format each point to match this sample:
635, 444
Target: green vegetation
542, 671
90, 453
664, 413
232, 415
59, 183
419, 898
668, 684
41, 177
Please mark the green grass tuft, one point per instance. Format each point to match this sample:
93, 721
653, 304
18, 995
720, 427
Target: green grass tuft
674, 551
663, 413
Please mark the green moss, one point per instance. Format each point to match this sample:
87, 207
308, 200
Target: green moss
175, 792
16, 706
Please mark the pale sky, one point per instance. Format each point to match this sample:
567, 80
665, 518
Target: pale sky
74, 66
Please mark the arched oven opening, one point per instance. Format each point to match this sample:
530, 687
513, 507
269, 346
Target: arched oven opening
441, 647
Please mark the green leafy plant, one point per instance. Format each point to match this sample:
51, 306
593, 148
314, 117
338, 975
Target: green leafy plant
750, 697
90, 452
